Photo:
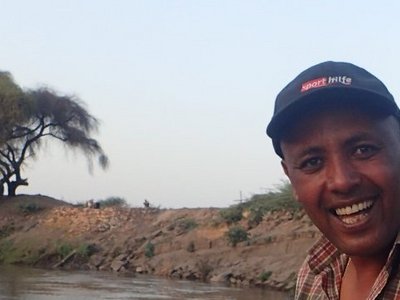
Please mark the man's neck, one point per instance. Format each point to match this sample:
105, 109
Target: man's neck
360, 275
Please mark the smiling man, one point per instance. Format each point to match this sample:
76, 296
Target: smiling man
336, 128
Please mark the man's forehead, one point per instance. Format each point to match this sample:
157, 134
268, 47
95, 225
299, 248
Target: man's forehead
318, 119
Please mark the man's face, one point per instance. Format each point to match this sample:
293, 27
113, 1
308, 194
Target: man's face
344, 166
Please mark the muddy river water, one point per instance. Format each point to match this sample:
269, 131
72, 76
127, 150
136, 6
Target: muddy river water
35, 284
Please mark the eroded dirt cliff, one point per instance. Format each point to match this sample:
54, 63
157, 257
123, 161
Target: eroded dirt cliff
179, 243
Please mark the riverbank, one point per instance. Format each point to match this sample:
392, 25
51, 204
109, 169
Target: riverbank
179, 243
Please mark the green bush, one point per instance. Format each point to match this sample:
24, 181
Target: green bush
255, 218
281, 199
149, 250
85, 250
7, 252
113, 201
18, 253
64, 249
236, 235
264, 276
232, 214
187, 224
29, 208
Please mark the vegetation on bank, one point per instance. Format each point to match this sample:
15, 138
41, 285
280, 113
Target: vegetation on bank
237, 234
113, 201
280, 199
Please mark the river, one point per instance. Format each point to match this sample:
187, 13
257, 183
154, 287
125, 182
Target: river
35, 284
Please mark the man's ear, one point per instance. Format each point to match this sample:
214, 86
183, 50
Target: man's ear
284, 167
295, 194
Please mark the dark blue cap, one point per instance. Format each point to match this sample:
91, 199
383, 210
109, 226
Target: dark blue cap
326, 82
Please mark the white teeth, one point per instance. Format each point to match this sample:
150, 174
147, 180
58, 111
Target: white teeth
352, 209
354, 219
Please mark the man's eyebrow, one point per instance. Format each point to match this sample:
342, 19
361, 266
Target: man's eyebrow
357, 137
310, 151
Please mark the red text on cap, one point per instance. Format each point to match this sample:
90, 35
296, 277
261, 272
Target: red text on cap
312, 84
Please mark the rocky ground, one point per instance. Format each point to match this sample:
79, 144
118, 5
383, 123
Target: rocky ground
178, 243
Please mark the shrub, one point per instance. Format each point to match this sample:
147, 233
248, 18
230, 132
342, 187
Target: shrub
264, 276
232, 214
7, 251
149, 250
280, 199
64, 249
85, 250
113, 201
255, 218
187, 224
20, 252
29, 208
236, 235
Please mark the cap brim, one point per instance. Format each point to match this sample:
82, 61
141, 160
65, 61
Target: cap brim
364, 98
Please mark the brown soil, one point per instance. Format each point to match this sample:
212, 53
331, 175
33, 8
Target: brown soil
116, 239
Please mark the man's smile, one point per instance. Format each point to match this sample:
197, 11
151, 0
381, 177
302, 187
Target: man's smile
354, 213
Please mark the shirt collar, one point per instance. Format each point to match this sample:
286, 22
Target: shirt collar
323, 253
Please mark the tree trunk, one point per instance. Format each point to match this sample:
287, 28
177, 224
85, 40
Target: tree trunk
12, 188
13, 185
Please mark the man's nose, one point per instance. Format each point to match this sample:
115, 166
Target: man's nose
342, 176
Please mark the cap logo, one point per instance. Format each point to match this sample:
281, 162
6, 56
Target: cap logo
325, 81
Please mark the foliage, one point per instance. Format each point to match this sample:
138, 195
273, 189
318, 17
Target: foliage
7, 251
149, 249
280, 199
232, 214
113, 201
28, 117
187, 224
84, 250
29, 208
264, 276
22, 251
11, 97
236, 234
64, 249
255, 217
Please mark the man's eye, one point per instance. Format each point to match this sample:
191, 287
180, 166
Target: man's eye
311, 164
365, 151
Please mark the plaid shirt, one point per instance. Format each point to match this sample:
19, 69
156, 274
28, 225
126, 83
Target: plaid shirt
321, 274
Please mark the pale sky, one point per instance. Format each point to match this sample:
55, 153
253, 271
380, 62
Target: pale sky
183, 89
